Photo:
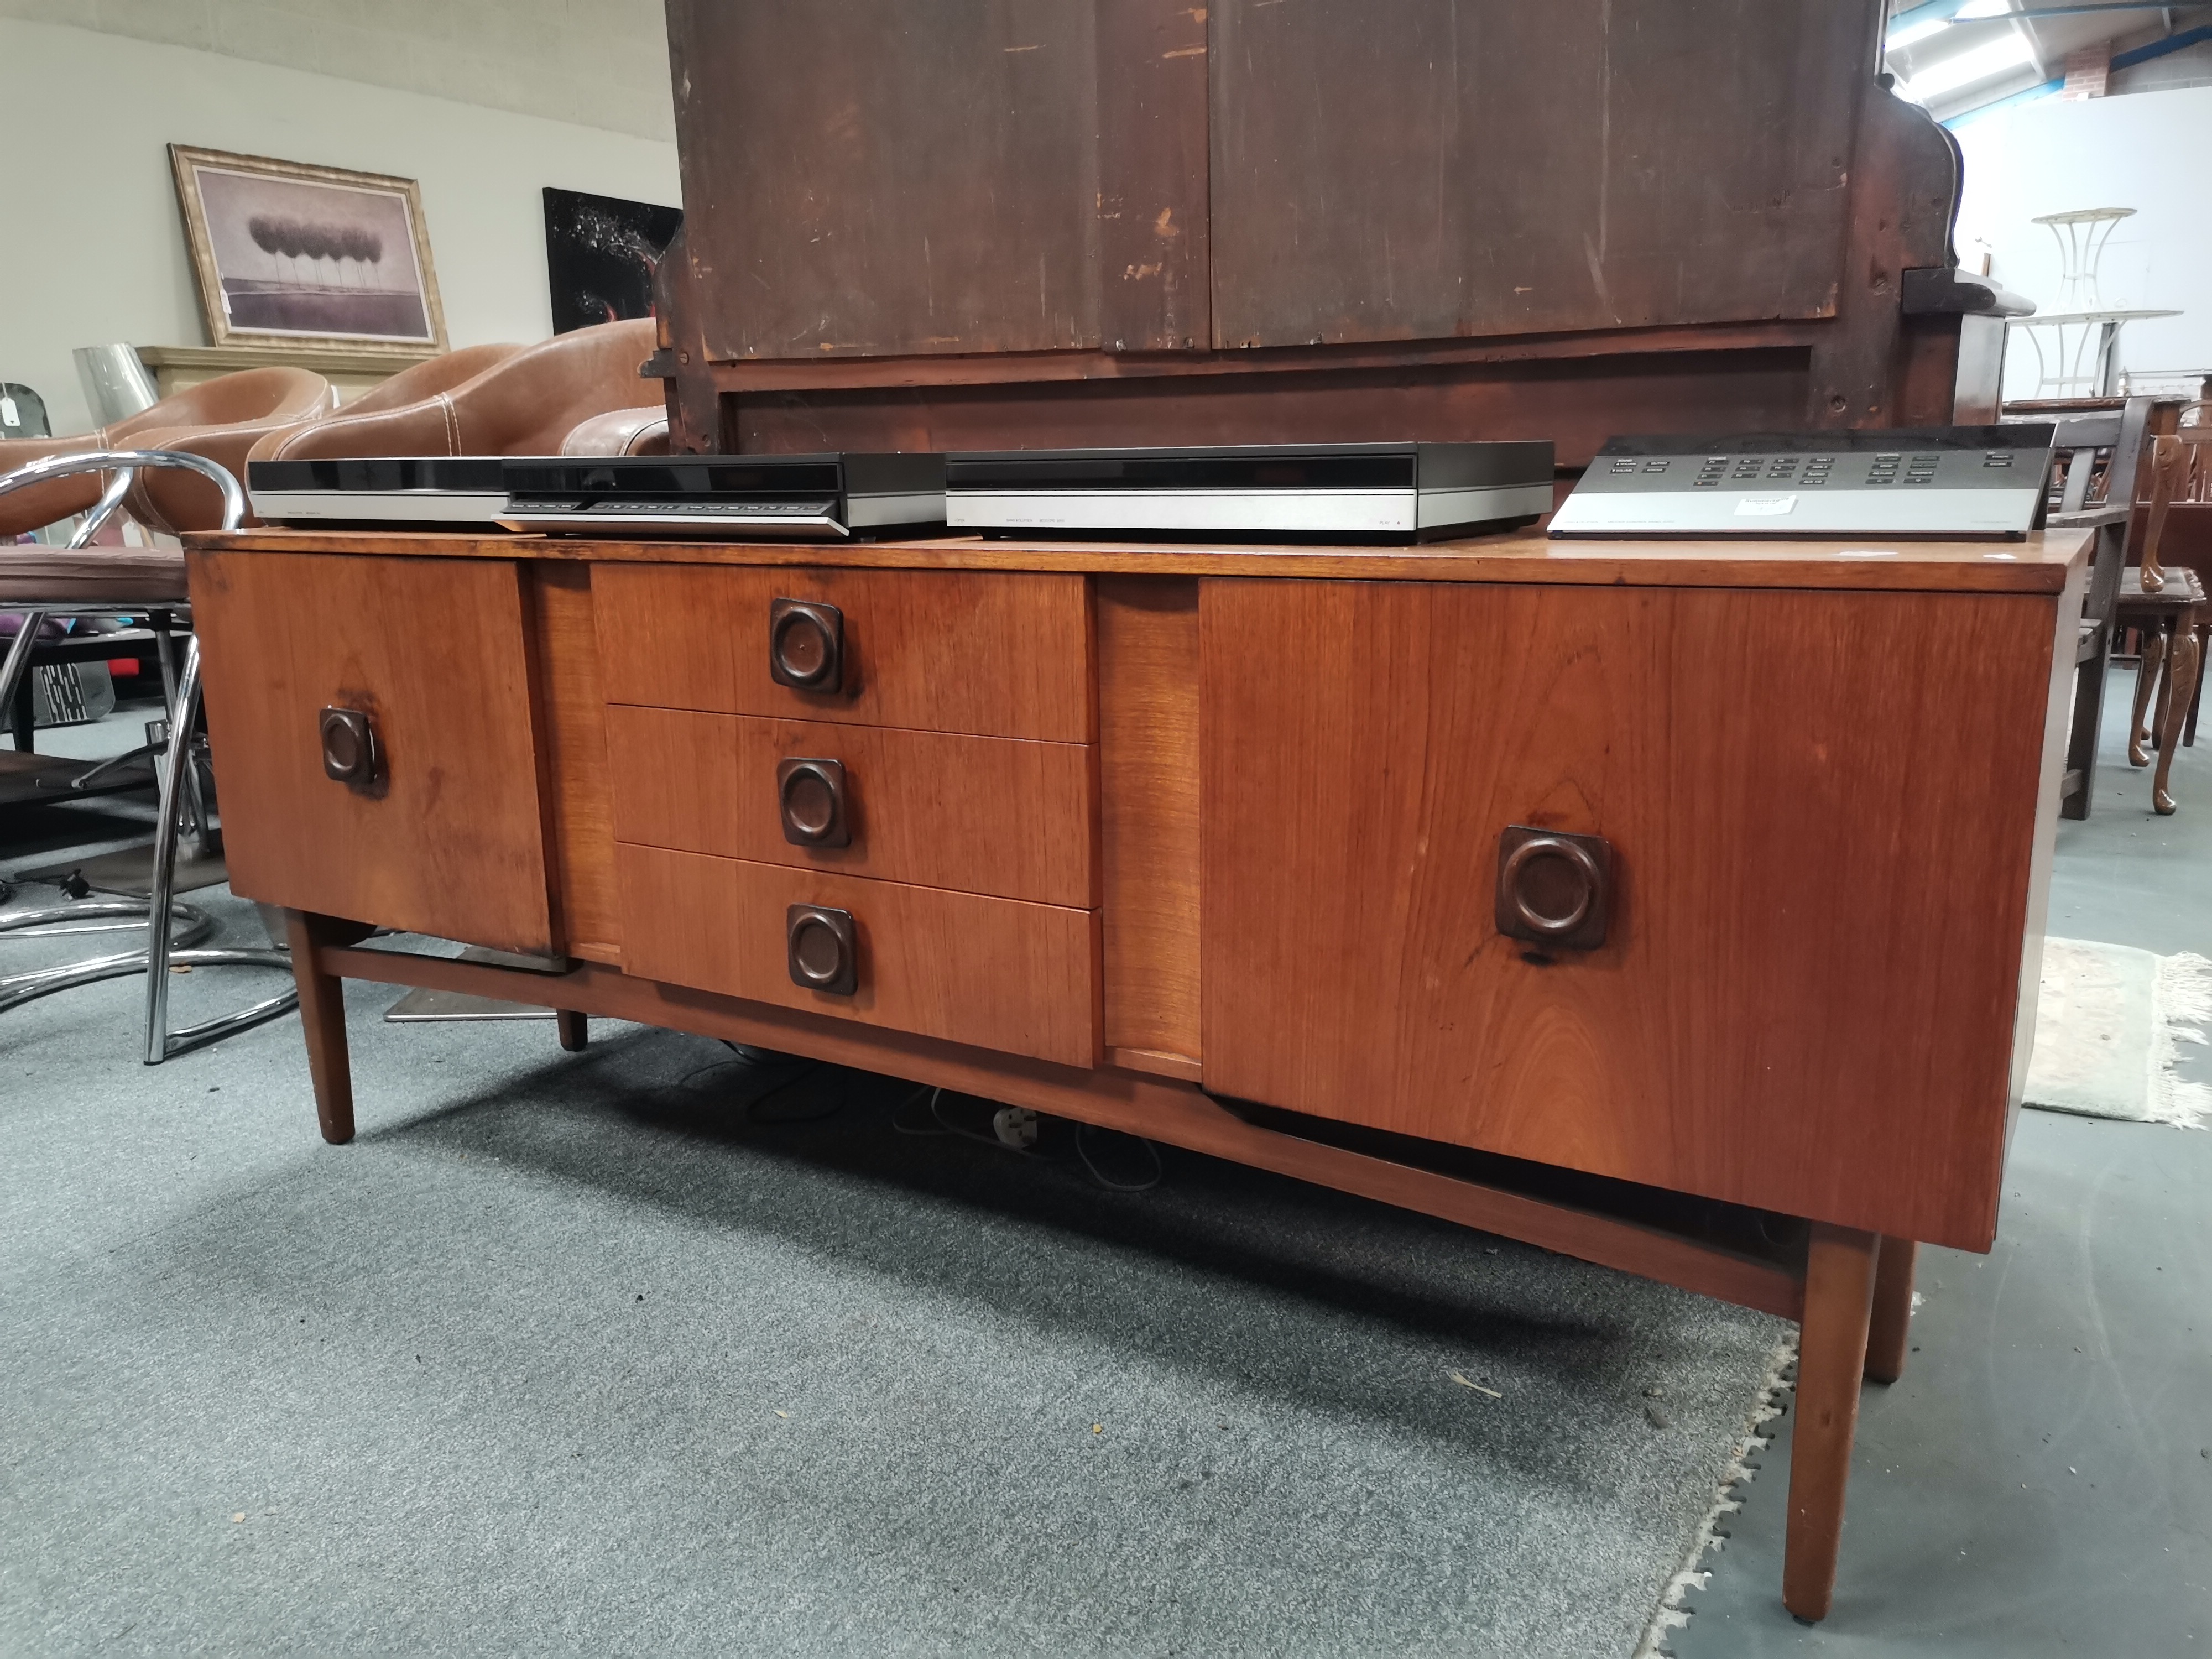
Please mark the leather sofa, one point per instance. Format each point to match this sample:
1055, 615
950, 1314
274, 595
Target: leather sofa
221, 419
526, 404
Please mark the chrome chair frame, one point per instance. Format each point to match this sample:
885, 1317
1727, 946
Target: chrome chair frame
167, 945
159, 620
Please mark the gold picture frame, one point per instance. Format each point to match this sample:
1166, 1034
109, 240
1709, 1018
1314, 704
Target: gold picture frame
286, 253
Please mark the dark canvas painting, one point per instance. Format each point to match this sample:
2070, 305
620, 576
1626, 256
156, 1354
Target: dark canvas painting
600, 254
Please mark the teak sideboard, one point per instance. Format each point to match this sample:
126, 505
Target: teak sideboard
1675, 906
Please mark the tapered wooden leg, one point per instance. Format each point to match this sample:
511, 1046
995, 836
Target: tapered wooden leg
2180, 691
1890, 1324
322, 1017
575, 1031
1839, 1273
2153, 659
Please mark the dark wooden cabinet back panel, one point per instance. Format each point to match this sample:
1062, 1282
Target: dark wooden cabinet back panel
1577, 403
885, 176
1821, 822
1001, 656
1437, 167
1155, 271
882, 176
451, 838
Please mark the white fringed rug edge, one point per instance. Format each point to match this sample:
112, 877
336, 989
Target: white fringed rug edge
2109, 1021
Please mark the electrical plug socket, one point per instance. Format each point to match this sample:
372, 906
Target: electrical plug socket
1015, 1126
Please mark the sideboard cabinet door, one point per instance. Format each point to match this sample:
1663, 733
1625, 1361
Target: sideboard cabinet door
1771, 861
375, 741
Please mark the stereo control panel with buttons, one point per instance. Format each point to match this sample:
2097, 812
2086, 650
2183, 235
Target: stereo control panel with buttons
1971, 481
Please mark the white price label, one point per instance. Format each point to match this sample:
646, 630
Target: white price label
8, 417
1765, 506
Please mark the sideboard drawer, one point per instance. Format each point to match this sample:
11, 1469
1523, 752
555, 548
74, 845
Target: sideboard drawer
375, 741
1000, 816
995, 973
996, 655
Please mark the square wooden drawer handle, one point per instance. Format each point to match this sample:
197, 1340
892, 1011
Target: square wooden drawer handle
351, 754
806, 645
810, 800
1552, 888
820, 949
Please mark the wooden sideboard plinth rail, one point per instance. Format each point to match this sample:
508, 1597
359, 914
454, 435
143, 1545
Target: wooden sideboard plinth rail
1178, 1114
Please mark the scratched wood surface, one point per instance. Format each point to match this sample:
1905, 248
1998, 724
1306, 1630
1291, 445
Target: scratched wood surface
1435, 167
871, 177
874, 178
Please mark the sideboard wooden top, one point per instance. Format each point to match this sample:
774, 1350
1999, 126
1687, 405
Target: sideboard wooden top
2037, 565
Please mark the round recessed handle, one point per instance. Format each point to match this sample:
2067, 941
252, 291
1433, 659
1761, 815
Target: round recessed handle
806, 645
1553, 888
821, 949
1538, 901
351, 754
810, 800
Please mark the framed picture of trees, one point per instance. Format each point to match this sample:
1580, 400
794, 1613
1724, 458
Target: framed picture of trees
310, 255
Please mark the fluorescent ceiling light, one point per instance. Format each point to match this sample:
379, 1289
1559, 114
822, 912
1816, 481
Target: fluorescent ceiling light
1983, 9
1904, 37
1966, 69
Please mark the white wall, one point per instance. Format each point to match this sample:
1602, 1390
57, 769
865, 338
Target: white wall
603, 63
92, 249
2145, 151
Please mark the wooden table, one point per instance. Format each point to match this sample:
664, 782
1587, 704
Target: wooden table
1675, 906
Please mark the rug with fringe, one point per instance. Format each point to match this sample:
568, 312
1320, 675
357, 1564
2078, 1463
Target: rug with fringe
2109, 1023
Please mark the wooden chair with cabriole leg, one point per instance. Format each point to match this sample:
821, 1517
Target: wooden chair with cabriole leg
2100, 450
2169, 609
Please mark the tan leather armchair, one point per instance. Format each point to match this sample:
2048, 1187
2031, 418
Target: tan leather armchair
526, 404
420, 383
177, 502
216, 419
621, 432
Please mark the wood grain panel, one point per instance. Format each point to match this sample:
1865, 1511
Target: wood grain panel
574, 714
998, 816
995, 973
935, 651
454, 844
2066, 638
2037, 564
1824, 836
1148, 794
1155, 269
875, 176
1404, 172
1577, 403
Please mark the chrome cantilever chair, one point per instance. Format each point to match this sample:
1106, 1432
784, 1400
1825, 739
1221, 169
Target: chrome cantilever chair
82, 581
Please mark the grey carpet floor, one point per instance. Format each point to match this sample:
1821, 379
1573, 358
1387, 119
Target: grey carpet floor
576, 1354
